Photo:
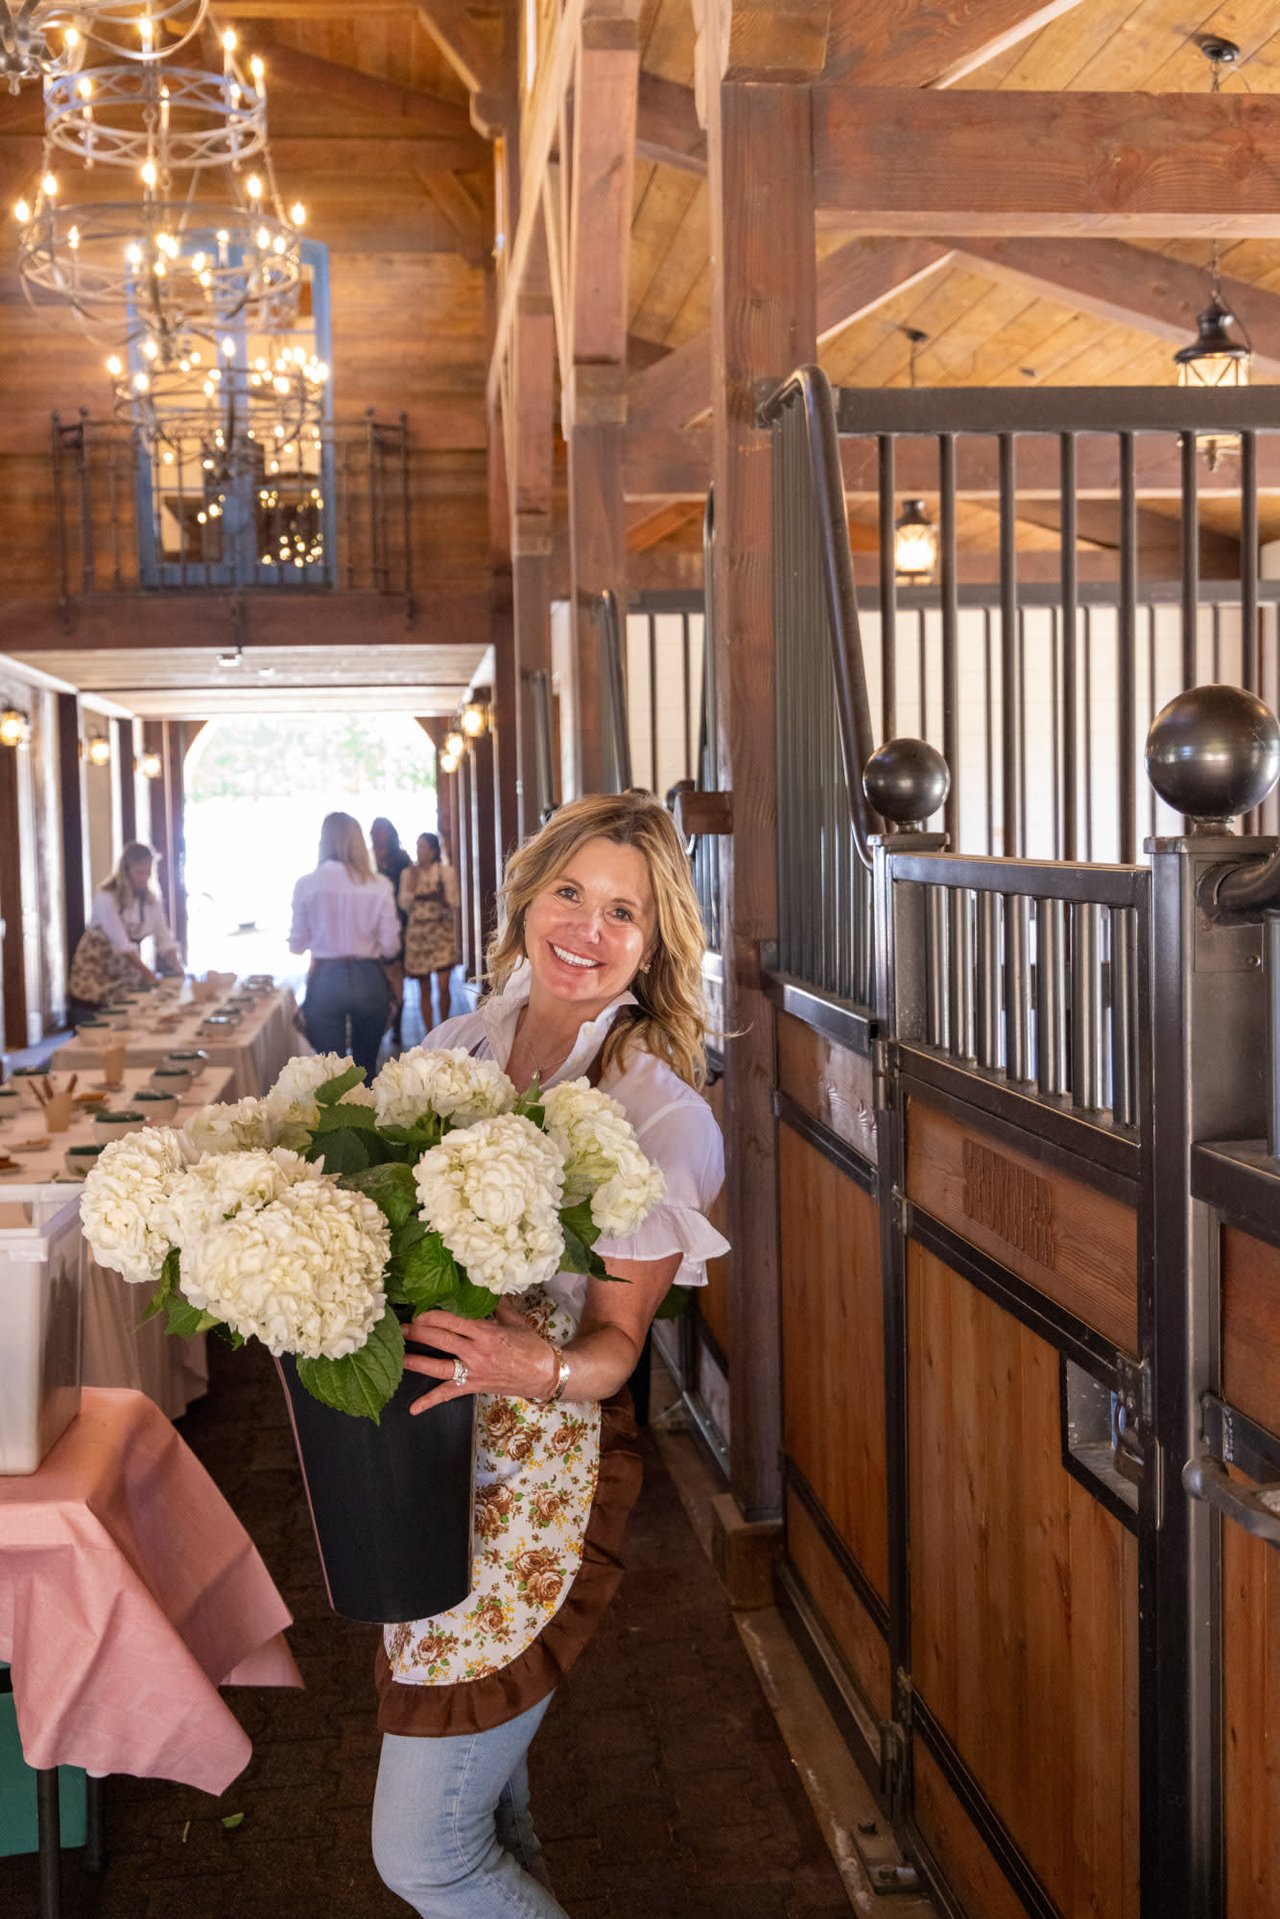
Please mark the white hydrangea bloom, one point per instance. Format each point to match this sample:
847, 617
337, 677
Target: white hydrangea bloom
303, 1274
492, 1191
240, 1126
122, 1198
292, 1100
448, 1082
220, 1187
603, 1161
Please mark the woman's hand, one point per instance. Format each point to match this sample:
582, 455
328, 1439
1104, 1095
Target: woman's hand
502, 1355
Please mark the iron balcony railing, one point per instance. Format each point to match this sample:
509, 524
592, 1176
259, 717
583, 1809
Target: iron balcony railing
330, 512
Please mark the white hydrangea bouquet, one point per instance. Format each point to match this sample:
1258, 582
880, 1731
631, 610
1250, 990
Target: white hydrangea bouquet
317, 1217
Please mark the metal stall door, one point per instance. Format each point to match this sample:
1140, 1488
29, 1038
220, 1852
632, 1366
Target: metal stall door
1019, 1350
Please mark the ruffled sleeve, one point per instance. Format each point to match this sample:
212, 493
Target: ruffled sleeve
682, 1137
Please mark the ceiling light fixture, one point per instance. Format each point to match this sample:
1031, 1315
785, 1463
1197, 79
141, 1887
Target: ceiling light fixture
915, 537
1215, 358
150, 764
43, 39
14, 727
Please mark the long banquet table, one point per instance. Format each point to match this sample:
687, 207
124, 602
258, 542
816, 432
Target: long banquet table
117, 1350
255, 1048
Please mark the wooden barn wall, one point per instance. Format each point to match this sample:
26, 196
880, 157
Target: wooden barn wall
408, 337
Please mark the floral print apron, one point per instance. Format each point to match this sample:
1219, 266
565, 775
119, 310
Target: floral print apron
536, 1474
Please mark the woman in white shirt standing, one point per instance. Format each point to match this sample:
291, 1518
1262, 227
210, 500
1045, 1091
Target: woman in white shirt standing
344, 915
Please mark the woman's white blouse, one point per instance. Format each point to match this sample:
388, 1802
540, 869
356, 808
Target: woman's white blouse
141, 919
334, 918
673, 1124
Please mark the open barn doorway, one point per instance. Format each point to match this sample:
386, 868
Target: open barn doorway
257, 788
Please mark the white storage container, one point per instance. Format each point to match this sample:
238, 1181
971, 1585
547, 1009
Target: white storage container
40, 1325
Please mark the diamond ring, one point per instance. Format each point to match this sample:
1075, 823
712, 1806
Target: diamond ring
459, 1373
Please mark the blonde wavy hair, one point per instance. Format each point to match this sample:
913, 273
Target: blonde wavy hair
342, 838
671, 1017
117, 883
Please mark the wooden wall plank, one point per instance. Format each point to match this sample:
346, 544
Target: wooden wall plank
833, 1348
1074, 1244
971, 1869
1251, 1723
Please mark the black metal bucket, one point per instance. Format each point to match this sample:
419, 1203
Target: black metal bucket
391, 1504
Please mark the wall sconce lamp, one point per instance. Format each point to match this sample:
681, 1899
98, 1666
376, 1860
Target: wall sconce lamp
448, 762
150, 765
14, 727
915, 544
474, 718
454, 744
98, 750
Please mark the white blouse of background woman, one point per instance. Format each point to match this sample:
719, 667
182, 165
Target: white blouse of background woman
335, 918
141, 919
673, 1123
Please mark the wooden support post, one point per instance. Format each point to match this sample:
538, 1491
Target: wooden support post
155, 740
480, 755
595, 402
499, 825
71, 795
532, 402
13, 949
764, 323
126, 778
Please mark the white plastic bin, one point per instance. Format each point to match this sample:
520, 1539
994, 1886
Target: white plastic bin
40, 1327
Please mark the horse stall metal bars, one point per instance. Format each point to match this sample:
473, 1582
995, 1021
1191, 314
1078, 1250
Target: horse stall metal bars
1030, 1209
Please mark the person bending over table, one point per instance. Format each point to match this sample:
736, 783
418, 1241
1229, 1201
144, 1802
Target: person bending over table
344, 915
126, 910
596, 971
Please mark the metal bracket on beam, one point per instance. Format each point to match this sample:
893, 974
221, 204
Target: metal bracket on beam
699, 812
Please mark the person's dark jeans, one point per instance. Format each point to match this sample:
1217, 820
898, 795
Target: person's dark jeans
347, 994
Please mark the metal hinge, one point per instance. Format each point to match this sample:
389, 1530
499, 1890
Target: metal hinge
885, 1069
874, 1842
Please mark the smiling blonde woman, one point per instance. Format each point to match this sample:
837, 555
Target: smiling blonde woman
596, 973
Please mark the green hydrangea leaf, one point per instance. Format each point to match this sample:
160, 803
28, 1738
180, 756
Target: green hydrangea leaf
187, 1320
334, 1118
342, 1152
331, 1092
426, 1274
470, 1301
166, 1287
423, 1134
363, 1382
391, 1189
406, 1236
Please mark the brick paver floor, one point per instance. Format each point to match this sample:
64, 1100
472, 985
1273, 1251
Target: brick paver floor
661, 1787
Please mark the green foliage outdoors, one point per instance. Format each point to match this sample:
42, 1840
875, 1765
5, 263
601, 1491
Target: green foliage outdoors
320, 753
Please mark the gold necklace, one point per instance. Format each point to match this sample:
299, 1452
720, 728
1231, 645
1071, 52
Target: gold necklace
539, 1070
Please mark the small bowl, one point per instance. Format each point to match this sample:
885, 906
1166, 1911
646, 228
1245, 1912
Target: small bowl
219, 1023
86, 1028
112, 1125
193, 1058
158, 1108
80, 1160
171, 1079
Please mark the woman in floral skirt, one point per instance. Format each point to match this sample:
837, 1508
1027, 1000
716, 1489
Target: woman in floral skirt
596, 975
428, 899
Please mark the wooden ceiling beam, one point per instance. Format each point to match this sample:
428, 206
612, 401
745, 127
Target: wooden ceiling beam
896, 160
604, 129
399, 109
916, 43
1129, 286
468, 219
667, 128
464, 46
851, 282
649, 526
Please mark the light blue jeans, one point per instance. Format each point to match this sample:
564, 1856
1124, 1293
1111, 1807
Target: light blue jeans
452, 1833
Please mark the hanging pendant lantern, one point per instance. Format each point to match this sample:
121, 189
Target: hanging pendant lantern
915, 544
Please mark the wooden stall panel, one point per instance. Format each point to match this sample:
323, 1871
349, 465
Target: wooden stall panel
833, 1348
1251, 1327
1251, 1710
861, 1643
1074, 1244
972, 1872
831, 1082
1024, 1596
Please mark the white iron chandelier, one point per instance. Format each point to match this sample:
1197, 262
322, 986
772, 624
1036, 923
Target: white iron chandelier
42, 39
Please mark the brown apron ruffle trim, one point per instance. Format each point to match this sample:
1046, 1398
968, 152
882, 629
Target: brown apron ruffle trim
477, 1705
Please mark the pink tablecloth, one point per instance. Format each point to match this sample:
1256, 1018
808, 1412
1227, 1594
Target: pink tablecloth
129, 1592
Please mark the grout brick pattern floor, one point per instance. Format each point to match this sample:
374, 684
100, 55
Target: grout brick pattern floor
661, 1786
